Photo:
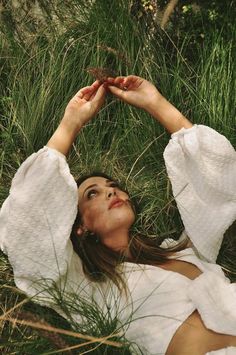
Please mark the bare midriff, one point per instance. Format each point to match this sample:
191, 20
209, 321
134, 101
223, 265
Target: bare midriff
192, 337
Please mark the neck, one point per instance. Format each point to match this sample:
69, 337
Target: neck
118, 241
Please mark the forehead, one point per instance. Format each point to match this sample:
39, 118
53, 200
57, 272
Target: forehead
95, 180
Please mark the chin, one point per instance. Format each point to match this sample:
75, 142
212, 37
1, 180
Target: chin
125, 220
120, 222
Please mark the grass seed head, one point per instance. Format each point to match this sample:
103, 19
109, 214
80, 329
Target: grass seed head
101, 74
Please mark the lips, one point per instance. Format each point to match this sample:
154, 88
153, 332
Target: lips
116, 203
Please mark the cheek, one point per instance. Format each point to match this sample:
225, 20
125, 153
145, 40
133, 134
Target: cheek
93, 216
98, 219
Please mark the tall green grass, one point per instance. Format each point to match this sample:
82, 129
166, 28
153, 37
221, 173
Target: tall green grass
40, 76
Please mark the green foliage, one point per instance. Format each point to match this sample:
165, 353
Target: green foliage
44, 62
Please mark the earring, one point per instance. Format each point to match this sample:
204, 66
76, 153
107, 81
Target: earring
97, 240
92, 236
86, 234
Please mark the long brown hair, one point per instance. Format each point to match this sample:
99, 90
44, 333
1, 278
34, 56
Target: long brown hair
100, 262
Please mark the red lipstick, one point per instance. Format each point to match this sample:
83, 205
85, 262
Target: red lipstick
116, 203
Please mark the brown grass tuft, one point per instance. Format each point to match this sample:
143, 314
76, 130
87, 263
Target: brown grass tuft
167, 13
101, 74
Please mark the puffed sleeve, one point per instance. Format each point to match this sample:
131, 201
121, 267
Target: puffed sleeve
36, 221
201, 165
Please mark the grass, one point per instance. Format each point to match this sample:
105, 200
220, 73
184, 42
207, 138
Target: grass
39, 76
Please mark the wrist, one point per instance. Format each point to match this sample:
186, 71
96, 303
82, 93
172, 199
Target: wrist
168, 115
154, 103
69, 127
63, 138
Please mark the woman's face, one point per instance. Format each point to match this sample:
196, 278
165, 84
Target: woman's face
105, 209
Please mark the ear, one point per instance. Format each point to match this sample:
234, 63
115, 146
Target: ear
80, 231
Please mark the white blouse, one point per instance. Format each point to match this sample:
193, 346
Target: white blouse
37, 217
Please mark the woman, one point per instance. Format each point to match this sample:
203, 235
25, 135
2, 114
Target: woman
180, 299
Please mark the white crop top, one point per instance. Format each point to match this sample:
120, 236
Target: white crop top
169, 298
37, 217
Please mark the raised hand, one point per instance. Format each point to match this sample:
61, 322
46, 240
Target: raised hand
80, 109
84, 105
143, 94
133, 90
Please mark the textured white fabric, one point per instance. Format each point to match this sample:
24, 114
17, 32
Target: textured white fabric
172, 297
37, 217
36, 221
226, 351
201, 165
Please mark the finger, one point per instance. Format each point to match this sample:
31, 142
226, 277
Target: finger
118, 80
83, 92
110, 80
89, 94
132, 78
92, 97
132, 81
100, 94
88, 91
91, 91
96, 84
116, 91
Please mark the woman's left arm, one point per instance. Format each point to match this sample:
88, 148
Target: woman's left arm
141, 93
201, 165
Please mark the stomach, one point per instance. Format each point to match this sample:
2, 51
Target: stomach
192, 337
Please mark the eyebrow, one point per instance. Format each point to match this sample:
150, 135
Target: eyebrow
93, 185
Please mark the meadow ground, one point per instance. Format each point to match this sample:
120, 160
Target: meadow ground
41, 72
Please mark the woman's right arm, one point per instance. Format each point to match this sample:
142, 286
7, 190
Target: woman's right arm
81, 108
37, 217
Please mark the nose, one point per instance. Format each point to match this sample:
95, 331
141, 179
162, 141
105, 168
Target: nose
111, 192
